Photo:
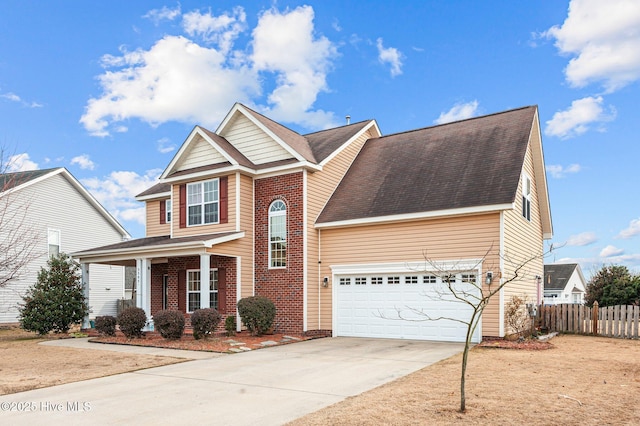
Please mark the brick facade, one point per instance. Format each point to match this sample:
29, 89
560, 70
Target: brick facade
284, 286
177, 264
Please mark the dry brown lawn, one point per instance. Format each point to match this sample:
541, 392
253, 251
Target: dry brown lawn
26, 365
581, 380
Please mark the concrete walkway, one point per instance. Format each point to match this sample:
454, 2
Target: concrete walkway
269, 386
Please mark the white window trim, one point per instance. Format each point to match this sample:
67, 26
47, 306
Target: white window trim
216, 291
526, 198
49, 231
269, 216
167, 210
202, 203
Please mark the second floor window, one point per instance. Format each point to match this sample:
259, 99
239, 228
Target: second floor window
277, 234
54, 242
203, 202
526, 197
167, 209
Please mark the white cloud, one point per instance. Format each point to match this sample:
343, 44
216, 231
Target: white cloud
165, 146
459, 111
603, 38
582, 239
221, 30
632, 230
171, 81
557, 171
178, 79
578, 118
116, 192
15, 98
610, 251
84, 162
20, 163
164, 14
391, 56
301, 72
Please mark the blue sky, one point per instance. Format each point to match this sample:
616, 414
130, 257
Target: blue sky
110, 90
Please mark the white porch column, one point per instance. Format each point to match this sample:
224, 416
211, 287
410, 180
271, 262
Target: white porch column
143, 287
205, 267
85, 290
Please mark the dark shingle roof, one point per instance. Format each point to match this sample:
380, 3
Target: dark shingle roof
557, 276
11, 180
469, 163
158, 188
325, 142
159, 241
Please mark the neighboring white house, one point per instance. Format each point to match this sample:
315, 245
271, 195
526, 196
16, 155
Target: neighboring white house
59, 215
563, 283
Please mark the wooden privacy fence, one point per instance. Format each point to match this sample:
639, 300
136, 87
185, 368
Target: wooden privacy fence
622, 321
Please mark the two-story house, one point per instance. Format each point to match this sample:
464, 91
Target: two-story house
46, 212
335, 227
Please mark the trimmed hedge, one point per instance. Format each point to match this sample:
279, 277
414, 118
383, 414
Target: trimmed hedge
169, 323
132, 321
106, 325
257, 313
204, 322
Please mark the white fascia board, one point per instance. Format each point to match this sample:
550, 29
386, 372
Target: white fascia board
92, 200
372, 125
32, 182
154, 196
416, 216
217, 147
208, 173
417, 266
272, 135
176, 249
289, 168
180, 152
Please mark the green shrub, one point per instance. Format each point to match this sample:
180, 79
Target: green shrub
257, 313
56, 301
132, 321
106, 325
204, 322
169, 323
230, 325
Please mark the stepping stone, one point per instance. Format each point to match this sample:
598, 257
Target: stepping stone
235, 350
244, 348
290, 338
268, 343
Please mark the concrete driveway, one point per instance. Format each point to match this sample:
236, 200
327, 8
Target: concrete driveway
269, 386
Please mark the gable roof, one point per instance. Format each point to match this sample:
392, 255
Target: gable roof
557, 276
20, 180
469, 164
326, 142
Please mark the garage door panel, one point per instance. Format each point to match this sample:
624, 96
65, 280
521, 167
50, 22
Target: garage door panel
371, 310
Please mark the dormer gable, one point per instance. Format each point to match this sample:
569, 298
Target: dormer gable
261, 139
203, 149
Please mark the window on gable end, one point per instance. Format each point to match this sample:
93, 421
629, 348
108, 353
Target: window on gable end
54, 242
278, 234
526, 197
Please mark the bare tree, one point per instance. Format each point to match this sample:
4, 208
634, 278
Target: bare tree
469, 290
18, 238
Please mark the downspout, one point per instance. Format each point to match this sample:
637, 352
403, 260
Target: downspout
319, 278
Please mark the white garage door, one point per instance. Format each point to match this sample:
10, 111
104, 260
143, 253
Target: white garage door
368, 306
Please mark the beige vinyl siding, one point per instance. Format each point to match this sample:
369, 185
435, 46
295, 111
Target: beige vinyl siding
254, 143
523, 239
204, 229
201, 153
451, 239
243, 247
153, 226
320, 186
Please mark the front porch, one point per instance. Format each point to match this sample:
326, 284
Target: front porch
169, 273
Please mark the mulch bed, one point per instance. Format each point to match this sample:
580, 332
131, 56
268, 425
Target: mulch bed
241, 342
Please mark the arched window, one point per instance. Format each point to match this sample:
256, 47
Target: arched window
278, 234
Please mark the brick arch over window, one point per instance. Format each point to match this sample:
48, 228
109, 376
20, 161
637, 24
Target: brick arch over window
278, 234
